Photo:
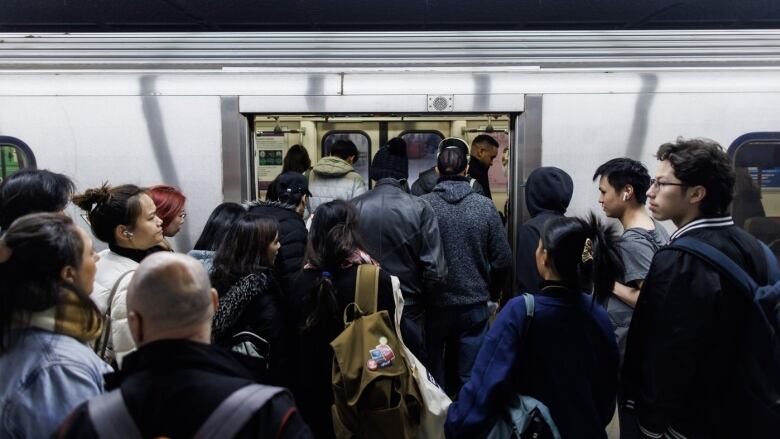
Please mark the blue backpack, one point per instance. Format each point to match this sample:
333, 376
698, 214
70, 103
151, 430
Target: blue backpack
757, 381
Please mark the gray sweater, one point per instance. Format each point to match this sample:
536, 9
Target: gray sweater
475, 244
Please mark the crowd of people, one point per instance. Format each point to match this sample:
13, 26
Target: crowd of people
141, 341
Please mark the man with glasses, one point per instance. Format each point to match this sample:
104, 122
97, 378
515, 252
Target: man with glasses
687, 333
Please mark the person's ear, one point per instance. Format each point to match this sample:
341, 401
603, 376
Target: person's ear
122, 234
214, 300
135, 322
68, 274
696, 194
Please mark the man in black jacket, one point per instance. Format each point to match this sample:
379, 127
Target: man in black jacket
687, 333
176, 379
484, 150
402, 233
292, 190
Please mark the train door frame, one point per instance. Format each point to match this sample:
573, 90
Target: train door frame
525, 126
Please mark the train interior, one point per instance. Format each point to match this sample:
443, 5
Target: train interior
274, 134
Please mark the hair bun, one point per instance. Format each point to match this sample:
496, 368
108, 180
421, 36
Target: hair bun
93, 197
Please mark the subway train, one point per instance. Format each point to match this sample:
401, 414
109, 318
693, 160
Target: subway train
209, 99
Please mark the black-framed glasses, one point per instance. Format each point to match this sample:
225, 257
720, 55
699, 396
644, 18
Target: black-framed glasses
655, 184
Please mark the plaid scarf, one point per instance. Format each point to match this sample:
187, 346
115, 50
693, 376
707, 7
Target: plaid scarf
70, 317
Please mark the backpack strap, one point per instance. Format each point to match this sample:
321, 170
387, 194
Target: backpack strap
235, 411
101, 345
529, 311
110, 417
367, 288
717, 259
771, 260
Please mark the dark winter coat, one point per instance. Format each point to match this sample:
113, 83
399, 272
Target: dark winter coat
292, 238
255, 303
428, 179
475, 244
172, 386
686, 334
401, 232
548, 191
568, 360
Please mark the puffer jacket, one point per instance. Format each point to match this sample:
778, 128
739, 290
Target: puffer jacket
402, 233
292, 237
475, 244
109, 268
427, 181
333, 178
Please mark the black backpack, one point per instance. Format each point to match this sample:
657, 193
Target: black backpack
757, 383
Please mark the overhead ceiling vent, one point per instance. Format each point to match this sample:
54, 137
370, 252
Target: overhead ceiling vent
440, 103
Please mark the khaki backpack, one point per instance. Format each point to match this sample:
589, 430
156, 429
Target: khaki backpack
375, 394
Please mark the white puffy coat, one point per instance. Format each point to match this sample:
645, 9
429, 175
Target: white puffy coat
109, 268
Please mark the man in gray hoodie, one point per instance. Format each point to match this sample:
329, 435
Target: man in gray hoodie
334, 177
478, 259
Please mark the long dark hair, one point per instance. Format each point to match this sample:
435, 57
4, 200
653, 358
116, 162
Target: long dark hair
243, 251
40, 246
108, 207
596, 270
333, 238
218, 225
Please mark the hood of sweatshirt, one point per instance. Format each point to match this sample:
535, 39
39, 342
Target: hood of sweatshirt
453, 191
332, 167
548, 189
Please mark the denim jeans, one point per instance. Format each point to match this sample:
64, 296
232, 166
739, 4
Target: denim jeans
454, 335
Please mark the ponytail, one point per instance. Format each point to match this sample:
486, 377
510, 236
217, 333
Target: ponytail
322, 305
584, 253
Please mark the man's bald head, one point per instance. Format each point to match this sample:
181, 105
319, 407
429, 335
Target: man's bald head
170, 296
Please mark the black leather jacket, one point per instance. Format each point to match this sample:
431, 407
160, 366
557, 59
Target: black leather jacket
401, 232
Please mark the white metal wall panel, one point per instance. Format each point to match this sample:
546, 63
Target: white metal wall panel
145, 141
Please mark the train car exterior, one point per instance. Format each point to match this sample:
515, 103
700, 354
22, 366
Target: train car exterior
183, 109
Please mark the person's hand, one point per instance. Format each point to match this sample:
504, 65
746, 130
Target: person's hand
492, 307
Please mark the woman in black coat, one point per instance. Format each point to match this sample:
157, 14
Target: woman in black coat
249, 295
321, 292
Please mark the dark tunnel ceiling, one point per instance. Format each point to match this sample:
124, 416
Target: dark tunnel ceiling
388, 15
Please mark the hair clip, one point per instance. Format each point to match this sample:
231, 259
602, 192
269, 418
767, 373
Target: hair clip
587, 251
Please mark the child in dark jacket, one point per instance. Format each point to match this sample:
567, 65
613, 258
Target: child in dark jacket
568, 359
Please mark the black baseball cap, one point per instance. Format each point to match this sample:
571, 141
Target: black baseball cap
292, 182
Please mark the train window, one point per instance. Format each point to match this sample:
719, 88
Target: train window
14, 156
756, 205
420, 150
360, 139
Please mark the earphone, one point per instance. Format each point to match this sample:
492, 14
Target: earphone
128, 234
625, 196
